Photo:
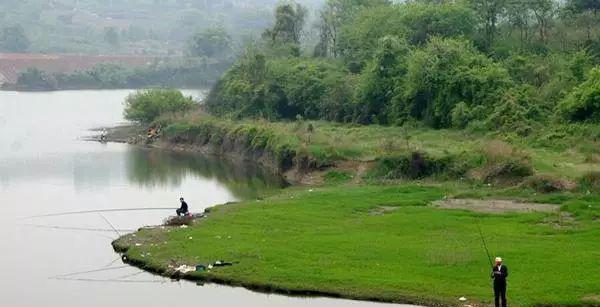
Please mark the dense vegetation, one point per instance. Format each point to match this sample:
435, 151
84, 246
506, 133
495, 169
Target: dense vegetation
181, 73
145, 106
482, 65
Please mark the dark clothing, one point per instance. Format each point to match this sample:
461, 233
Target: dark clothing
499, 274
499, 293
183, 210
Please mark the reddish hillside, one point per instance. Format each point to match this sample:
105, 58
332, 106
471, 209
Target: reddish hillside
11, 64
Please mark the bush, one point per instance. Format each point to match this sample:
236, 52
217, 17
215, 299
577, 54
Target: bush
546, 183
147, 105
583, 103
337, 177
517, 112
502, 163
415, 165
590, 181
460, 115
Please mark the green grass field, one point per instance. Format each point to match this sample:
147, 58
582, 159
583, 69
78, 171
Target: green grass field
384, 242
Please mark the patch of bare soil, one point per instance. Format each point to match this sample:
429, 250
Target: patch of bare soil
494, 205
594, 298
381, 210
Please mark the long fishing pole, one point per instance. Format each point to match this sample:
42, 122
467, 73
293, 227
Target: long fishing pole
77, 228
110, 224
484, 244
97, 211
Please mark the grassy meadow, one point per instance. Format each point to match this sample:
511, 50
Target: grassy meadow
385, 242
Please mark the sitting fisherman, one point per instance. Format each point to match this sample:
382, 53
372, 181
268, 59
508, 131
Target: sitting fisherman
183, 210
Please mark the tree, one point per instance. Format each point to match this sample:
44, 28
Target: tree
13, 39
111, 36
581, 6
586, 11
489, 12
212, 42
444, 73
289, 21
378, 82
336, 13
543, 10
147, 105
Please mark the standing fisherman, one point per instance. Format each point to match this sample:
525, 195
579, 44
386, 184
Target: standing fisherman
499, 274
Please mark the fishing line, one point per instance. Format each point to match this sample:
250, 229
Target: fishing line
113, 262
130, 275
96, 211
90, 271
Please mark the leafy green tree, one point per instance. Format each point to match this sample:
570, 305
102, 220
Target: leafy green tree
416, 22
13, 39
111, 36
35, 79
289, 21
147, 105
489, 12
212, 42
335, 14
379, 81
544, 11
583, 103
592, 6
444, 73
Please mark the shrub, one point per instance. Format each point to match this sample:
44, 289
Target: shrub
544, 183
590, 181
147, 105
502, 163
337, 177
517, 112
583, 103
460, 115
416, 165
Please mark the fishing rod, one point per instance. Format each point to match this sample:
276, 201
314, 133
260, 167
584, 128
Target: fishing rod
484, 244
97, 211
110, 280
110, 224
77, 228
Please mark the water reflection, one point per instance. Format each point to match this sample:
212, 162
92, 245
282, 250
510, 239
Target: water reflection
160, 168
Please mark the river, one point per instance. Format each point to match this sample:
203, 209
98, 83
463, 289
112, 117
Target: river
46, 167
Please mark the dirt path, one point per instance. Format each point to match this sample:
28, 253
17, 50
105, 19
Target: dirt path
494, 205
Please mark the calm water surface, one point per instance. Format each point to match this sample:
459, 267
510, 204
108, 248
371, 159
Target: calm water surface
47, 167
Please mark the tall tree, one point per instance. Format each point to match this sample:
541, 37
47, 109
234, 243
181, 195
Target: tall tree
111, 36
212, 42
489, 12
334, 14
289, 21
544, 11
13, 39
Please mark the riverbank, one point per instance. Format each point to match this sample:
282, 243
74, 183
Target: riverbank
386, 243
368, 225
